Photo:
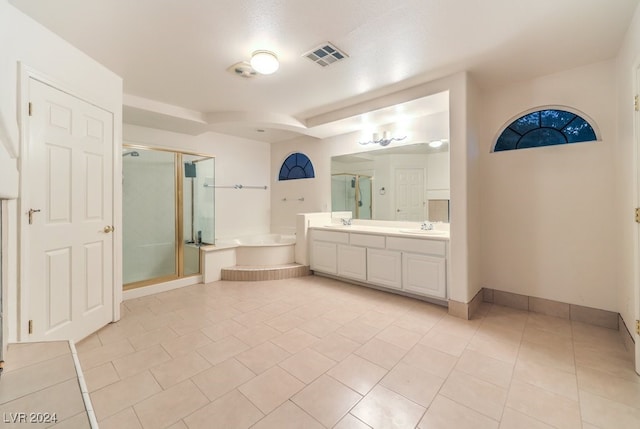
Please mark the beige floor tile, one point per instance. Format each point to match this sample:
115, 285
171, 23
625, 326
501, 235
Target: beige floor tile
123, 394
151, 338
179, 425
377, 319
91, 342
252, 318
357, 373
277, 308
186, 344
543, 405
307, 365
33, 378
22, 355
285, 322
554, 356
143, 360
221, 379
415, 324
79, 421
64, 399
548, 378
433, 361
444, 342
320, 327
351, 422
103, 354
335, 346
230, 411
607, 363
262, 357
247, 305
413, 383
179, 369
609, 387
447, 414
358, 331
271, 388
125, 419
381, 353
288, 415
218, 315
605, 413
100, 376
342, 315
555, 325
512, 419
399, 337
479, 395
326, 400
121, 330
382, 408
169, 406
223, 329
485, 368
295, 340
256, 335
222, 350
458, 327
504, 350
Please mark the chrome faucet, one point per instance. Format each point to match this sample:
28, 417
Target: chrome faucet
426, 226
346, 221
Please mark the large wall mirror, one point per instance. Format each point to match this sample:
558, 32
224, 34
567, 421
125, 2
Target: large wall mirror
404, 183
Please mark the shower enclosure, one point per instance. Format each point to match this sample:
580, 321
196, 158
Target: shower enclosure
352, 192
168, 213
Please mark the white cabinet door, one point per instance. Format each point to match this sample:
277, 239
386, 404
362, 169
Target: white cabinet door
384, 268
323, 257
352, 262
425, 275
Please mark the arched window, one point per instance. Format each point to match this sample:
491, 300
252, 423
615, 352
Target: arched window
296, 166
545, 128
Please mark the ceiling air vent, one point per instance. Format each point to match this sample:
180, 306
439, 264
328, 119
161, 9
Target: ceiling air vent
326, 54
242, 69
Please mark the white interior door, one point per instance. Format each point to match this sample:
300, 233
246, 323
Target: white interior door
410, 197
68, 271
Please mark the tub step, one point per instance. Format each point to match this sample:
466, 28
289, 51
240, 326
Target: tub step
252, 273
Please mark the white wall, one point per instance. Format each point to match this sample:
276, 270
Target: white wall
238, 161
23, 40
626, 181
548, 215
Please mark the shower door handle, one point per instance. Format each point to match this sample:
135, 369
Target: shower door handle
107, 229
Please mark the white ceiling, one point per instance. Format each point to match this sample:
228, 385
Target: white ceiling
177, 52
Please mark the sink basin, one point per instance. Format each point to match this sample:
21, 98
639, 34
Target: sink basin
432, 232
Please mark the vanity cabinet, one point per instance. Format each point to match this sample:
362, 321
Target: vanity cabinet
414, 265
384, 268
352, 262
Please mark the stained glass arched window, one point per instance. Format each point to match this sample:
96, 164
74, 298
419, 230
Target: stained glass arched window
296, 166
545, 128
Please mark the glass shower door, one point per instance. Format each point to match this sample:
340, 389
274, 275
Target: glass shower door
149, 216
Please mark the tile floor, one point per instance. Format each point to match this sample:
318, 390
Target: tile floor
317, 353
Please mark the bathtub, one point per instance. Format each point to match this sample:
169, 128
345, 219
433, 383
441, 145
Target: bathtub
263, 249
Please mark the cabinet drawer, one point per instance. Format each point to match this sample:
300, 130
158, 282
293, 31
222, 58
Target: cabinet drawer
331, 236
365, 240
431, 247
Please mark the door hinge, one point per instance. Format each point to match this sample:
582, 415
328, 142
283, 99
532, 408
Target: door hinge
638, 327
638, 215
31, 326
31, 107
636, 103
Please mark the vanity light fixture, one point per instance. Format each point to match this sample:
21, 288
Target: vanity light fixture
384, 140
264, 62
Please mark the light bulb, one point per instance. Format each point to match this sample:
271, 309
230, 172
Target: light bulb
264, 62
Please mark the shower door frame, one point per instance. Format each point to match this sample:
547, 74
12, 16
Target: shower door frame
357, 190
179, 217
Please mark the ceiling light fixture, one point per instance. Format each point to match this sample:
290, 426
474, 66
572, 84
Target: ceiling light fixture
264, 62
384, 141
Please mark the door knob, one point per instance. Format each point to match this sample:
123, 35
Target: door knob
107, 229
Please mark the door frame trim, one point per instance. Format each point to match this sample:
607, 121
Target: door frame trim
25, 73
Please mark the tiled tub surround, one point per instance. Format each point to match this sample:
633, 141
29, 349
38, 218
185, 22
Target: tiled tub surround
315, 352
